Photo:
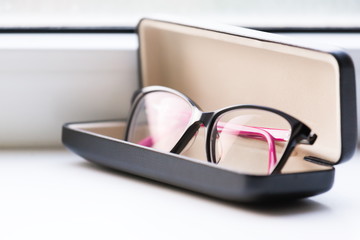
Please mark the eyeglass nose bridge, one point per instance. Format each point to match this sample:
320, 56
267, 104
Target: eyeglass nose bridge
206, 117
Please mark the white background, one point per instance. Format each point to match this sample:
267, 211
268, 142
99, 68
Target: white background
279, 13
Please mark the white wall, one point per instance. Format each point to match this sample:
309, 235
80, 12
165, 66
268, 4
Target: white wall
47, 80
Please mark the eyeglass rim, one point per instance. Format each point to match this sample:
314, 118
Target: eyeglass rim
300, 132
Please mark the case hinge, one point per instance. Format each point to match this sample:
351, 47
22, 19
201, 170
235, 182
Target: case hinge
318, 161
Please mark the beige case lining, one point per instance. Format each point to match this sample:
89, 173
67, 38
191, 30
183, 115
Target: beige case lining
217, 70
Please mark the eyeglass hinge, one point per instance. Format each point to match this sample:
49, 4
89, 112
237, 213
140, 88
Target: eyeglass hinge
309, 140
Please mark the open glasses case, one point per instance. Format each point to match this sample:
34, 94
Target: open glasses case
220, 66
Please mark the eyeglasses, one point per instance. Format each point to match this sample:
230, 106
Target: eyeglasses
255, 136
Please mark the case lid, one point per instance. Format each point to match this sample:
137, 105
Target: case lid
219, 66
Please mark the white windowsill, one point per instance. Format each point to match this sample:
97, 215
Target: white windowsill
54, 194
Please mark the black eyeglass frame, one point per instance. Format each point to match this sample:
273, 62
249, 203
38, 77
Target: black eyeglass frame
300, 132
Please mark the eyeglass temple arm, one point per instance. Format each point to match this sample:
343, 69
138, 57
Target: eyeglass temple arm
276, 134
269, 134
236, 129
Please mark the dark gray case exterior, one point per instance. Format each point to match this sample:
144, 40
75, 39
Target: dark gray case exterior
209, 179
193, 175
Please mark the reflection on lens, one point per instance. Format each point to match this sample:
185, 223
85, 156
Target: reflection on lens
159, 120
249, 140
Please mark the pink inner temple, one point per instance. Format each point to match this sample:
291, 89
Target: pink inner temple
270, 135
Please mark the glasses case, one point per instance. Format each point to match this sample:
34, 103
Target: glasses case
220, 66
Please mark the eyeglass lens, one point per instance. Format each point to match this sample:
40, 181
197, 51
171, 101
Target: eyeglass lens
251, 139
159, 121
